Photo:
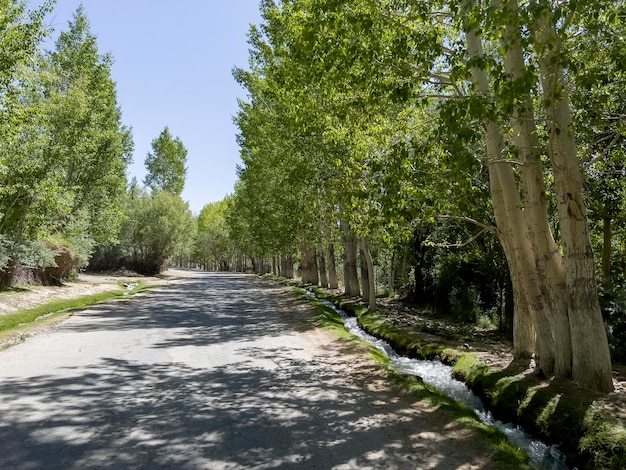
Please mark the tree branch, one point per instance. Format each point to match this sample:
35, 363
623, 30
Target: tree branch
461, 245
485, 227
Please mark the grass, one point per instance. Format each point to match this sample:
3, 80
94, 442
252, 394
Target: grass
27, 317
377, 325
605, 440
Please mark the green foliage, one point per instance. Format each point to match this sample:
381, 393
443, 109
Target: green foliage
20, 34
31, 253
613, 303
166, 164
598, 79
214, 247
159, 228
87, 134
64, 150
365, 113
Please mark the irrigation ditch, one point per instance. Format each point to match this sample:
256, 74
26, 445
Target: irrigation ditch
559, 424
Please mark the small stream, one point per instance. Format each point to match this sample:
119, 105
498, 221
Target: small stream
439, 376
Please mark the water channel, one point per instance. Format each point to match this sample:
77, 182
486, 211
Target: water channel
439, 376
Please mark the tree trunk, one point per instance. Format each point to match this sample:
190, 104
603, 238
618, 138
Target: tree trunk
392, 273
524, 335
309, 266
332, 268
402, 281
365, 282
283, 266
530, 306
315, 277
322, 267
371, 289
305, 266
606, 250
591, 364
350, 276
548, 260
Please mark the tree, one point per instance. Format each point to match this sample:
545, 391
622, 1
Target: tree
166, 164
213, 243
64, 150
36, 204
20, 34
86, 130
363, 63
159, 227
598, 74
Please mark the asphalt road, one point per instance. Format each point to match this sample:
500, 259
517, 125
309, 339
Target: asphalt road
218, 371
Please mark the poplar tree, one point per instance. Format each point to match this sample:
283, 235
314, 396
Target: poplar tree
86, 133
166, 164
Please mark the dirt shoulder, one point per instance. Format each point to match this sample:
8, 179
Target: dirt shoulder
25, 297
28, 297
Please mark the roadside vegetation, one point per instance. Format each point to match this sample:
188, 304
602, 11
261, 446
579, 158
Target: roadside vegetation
21, 321
65, 201
465, 159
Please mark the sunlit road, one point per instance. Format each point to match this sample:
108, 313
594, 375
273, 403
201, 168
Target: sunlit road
217, 371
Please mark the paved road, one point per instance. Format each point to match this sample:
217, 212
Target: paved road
218, 371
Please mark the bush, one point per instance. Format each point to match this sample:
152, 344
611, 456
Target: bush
39, 262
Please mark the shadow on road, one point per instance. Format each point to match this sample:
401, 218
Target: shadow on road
223, 308
296, 411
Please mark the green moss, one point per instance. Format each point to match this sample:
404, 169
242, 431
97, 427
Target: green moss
555, 411
605, 439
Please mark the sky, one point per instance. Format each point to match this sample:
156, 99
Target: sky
172, 66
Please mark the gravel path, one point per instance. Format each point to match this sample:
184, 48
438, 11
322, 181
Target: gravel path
218, 371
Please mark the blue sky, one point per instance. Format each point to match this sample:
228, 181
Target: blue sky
173, 62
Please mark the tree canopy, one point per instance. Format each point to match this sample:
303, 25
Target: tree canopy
64, 150
385, 117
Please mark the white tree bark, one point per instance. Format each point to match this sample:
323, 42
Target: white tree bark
531, 309
548, 259
591, 364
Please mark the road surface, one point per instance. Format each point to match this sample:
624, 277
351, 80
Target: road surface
218, 371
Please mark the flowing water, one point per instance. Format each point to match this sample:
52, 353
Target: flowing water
439, 376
